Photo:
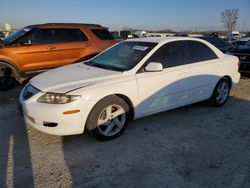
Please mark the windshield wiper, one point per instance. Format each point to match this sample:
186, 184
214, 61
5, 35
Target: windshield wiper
90, 63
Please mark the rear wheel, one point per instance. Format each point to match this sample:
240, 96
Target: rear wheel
6, 78
109, 118
221, 92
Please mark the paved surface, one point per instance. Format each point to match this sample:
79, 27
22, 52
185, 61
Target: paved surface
194, 146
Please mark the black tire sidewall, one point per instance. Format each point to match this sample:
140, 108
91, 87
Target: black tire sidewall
10, 81
9, 84
214, 101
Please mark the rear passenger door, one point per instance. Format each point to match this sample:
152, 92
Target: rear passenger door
73, 45
205, 68
159, 91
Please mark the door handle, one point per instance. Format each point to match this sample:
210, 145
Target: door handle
51, 47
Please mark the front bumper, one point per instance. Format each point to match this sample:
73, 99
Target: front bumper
244, 67
49, 118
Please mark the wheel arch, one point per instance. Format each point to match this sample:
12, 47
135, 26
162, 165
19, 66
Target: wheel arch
125, 98
229, 79
13, 67
129, 103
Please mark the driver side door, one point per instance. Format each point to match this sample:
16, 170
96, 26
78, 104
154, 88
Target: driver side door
159, 91
42, 52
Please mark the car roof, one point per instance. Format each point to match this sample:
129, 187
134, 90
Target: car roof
65, 24
162, 39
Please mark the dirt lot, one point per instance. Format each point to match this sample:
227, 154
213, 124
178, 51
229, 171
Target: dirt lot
194, 146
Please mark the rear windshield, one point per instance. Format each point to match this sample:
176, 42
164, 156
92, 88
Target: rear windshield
103, 34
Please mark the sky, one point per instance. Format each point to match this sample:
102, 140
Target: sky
118, 14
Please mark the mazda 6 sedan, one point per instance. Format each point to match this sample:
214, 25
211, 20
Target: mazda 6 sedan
132, 79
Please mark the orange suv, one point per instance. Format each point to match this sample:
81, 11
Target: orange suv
36, 48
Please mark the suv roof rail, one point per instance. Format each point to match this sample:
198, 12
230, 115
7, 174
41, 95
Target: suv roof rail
85, 24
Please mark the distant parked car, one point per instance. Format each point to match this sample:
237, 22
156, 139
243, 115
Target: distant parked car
247, 34
235, 35
132, 79
36, 48
219, 43
2, 35
242, 40
243, 53
180, 35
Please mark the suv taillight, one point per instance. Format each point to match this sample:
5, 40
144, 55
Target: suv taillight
113, 42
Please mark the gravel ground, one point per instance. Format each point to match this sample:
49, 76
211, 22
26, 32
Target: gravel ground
193, 146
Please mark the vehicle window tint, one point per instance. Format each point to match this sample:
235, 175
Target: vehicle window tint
123, 56
199, 52
102, 34
171, 54
43, 36
217, 42
73, 35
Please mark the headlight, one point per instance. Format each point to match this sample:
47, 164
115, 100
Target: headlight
57, 98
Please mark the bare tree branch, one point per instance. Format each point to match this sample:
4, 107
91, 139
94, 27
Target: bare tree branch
229, 18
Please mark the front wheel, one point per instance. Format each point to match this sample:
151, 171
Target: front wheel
109, 118
6, 79
221, 92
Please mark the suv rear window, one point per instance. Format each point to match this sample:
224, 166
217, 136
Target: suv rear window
102, 34
73, 35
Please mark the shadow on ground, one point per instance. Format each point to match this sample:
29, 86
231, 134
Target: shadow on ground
194, 146
15, 159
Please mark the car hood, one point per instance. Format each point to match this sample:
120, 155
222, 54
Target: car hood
71, 77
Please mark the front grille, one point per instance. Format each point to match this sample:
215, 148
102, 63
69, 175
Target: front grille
29, 92
243, 57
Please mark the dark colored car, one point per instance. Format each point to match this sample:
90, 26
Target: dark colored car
217, 42
247, 34
2, 35
180, 35
243, 53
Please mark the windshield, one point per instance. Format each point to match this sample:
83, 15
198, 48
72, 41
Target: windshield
124, 56
19, 33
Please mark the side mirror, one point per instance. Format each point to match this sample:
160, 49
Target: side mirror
154, 67
25, 42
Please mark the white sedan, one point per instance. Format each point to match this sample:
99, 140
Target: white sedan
132, 79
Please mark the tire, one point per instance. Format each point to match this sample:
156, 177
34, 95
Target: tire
6, 78
221, 92
109, 118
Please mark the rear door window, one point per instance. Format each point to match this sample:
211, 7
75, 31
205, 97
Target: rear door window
102, 34
199, 52
72, 35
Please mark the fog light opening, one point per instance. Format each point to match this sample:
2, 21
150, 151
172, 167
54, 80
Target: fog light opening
49, 124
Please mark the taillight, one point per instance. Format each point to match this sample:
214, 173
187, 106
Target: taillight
113, 42
238, 63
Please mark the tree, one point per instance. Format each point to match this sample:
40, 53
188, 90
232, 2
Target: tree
229, 18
